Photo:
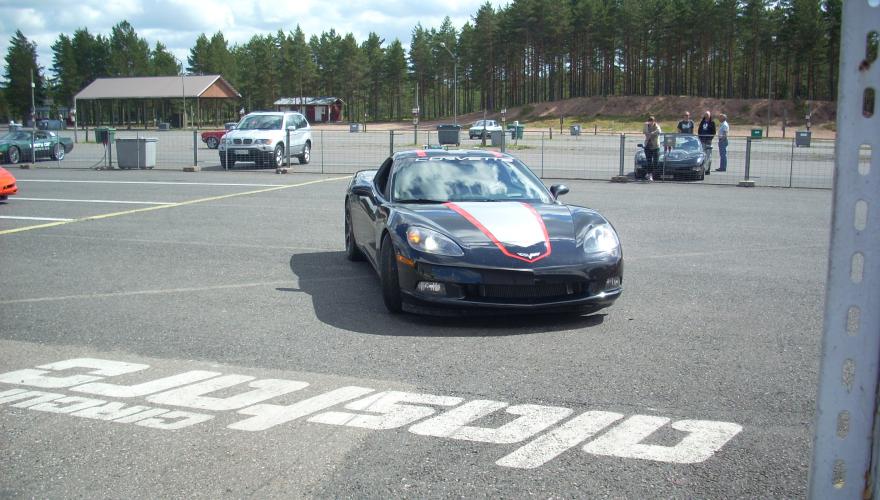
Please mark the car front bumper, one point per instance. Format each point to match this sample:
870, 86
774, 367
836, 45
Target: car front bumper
469, 290
251, 152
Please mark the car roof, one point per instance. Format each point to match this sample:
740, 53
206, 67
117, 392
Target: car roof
431, 153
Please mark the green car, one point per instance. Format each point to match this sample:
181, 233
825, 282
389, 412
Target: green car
16, 146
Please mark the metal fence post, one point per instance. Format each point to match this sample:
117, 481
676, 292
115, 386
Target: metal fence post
847, 436
503, 141
390, 143
791, 164
287, 146
195, 148
622, 152
33, 151
322, 151
748, 156
542, 150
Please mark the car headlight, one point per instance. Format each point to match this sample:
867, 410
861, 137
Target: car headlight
428, 241
262, 141
601, 241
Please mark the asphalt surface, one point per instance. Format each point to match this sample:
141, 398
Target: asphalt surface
244, 273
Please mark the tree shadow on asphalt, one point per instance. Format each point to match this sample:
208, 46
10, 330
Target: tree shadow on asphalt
347, 295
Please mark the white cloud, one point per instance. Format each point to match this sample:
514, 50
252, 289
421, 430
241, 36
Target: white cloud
177, 23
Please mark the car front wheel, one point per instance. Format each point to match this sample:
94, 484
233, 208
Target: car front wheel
212, 142
13, 155
278, 156
389, 278
352, 252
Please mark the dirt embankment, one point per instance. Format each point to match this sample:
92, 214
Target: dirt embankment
743, 114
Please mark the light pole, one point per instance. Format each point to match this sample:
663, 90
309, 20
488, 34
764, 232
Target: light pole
182, 93
454, 84
770, 84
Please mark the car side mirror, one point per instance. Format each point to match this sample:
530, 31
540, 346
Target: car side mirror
558, 190
642, 146
361, 190
291, 128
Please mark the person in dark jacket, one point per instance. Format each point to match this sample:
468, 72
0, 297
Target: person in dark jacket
706, 132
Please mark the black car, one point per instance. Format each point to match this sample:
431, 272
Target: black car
681, 156
473, 231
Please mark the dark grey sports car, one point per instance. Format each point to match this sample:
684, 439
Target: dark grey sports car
680, 156
470, 231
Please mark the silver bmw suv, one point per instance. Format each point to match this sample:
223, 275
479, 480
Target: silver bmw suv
261, 138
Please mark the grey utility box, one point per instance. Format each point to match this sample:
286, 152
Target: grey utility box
497, 137
136, 153
575, 130
354, 127
448, 134
802, 138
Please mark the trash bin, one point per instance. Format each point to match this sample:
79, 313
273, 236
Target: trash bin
516, 131
757, 133
497, 137
136, 153
802, 138
354, 127
164, 126
15, 127
105, 135
448, 134
575, 130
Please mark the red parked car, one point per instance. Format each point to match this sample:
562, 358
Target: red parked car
7, 184
212, 137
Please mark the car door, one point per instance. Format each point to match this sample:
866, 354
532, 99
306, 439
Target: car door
42, 144
302, 128
371, 213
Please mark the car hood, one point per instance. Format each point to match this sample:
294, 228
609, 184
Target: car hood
510, 233
253, 134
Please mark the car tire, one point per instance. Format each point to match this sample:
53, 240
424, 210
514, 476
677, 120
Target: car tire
702, 175
13, 156
226, 163
352, 252
278, 156
212, 142
58, 152
306, 155
640, 173
389, 277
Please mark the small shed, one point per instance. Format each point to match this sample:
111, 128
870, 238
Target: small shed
315, 109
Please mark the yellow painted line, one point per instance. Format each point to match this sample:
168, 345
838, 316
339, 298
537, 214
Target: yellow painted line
172, 205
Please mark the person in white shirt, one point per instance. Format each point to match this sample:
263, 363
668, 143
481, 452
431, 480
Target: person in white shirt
723, 131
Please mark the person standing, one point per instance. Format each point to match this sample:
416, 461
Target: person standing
706, 131
686, 125
652, 147
723, 131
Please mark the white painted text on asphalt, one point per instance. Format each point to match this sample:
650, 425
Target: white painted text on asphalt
600, 432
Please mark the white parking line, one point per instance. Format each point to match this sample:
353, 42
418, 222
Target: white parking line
149, 182
34, 218
18, 198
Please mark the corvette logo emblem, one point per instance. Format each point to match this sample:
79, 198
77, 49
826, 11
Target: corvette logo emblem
529, 255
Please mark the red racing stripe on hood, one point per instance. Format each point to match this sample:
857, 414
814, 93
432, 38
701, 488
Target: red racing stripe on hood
473, 220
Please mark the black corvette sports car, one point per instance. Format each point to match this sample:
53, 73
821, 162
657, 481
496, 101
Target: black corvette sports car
680, 156
475, 231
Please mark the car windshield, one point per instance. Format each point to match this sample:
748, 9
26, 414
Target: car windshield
16, 136
478, 123
683, 142
440, 179
260, 122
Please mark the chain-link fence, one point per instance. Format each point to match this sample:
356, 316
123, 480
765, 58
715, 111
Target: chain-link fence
790, 162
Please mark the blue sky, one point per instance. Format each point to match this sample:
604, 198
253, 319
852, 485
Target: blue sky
177, 23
